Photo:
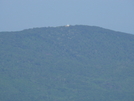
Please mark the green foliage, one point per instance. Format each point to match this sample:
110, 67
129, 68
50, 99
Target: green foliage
75, 63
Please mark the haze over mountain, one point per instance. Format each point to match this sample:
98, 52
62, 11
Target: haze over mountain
66, 63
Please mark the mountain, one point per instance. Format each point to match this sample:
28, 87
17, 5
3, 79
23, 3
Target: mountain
66, 63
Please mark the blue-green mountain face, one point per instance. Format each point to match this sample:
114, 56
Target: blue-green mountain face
66, 63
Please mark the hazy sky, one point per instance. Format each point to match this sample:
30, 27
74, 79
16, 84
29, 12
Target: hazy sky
17, 15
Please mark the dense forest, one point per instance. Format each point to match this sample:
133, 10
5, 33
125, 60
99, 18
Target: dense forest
66, 63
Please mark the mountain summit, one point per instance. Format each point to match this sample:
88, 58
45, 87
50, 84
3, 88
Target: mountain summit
66, 63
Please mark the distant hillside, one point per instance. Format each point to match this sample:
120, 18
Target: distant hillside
66, 63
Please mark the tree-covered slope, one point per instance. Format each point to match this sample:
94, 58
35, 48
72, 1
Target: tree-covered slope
75, 63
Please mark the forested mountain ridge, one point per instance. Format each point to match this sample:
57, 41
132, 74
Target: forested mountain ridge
66, 63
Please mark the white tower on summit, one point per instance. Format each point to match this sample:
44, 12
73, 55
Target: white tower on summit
67, 25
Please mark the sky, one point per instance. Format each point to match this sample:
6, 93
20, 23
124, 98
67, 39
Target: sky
16, 15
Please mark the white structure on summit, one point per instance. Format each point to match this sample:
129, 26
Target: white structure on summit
67, 25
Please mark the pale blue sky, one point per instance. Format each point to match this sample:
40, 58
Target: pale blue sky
17, 15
